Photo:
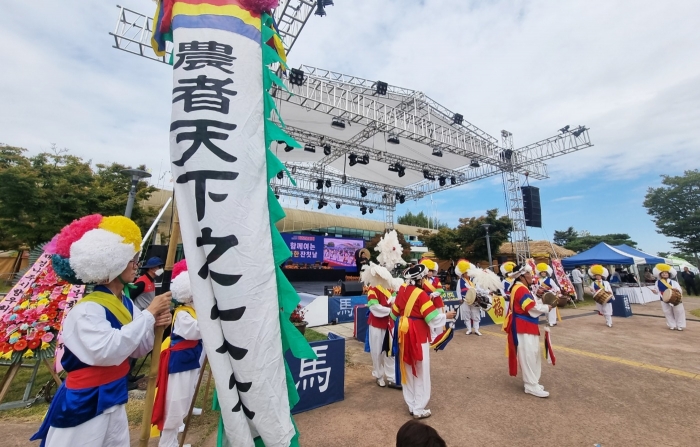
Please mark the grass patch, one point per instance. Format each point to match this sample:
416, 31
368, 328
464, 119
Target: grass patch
312, 335
16, 392
695, 312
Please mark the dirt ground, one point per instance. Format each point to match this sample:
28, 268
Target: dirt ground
635, 384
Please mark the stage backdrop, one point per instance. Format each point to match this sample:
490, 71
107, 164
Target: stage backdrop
337, 252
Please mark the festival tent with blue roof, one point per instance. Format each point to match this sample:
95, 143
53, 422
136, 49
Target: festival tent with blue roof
602, 254
648, 259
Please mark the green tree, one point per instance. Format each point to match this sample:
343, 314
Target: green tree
420, 220
583, 243
468, 240
564, 237
41, 194
675, 210
406, 254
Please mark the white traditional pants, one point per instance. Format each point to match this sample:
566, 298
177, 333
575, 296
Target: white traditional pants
530, 361
382, 365
109, 429
606, 310
470, 314
416, 390
675, 315
552, 317
177, 404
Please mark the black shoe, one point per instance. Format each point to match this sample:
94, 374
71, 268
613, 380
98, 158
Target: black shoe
394, 386
131, 378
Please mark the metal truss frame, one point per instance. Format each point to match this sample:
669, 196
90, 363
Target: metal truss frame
133, 33
514, 205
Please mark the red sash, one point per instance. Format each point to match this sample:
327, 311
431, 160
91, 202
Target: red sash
94, 376
158, 417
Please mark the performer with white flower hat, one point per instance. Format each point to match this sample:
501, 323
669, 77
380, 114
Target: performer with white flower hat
102, 331
469, 313
180, 362
675, 313
547, 284
506, 269
431, 283
599, 273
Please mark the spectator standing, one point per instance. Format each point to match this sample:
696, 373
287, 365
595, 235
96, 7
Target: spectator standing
577, 280
145, 289
689, 280
648, 276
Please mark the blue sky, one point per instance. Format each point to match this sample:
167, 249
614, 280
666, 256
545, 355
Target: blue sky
630, 72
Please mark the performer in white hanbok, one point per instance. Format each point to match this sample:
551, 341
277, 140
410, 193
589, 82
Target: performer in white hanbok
523, 332
180, 362
547, 284
675, 313
414, 313
599, 273
506, 269
379, 324
101, 333
469, 313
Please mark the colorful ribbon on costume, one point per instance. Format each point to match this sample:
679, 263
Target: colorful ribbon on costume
404, 327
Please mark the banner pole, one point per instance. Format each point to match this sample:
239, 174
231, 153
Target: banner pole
158, 336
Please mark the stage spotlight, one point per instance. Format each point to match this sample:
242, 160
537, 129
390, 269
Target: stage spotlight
457, 119
564, 129
453, 180
437, 152
364, 159
288, 148
397, 167
321, 204
353, 159
443, 181
337, 205
319, 8
319, 183
427, 175
577, 133
338, 123
507, 154
296, 76
345, 179
400, 198
308, 147
363, 209
363, 191
306, 200
381, 87
326, 149
474, 164
371, 210
393, 138
328, 183
280, 175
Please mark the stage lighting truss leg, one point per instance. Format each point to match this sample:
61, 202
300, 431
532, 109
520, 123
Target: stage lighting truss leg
514, 204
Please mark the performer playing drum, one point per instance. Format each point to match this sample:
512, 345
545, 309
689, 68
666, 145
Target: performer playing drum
414, 314
469, 310
431, 284
602, 292
547, 284
671, 293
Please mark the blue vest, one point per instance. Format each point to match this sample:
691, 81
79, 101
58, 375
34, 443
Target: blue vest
72, 407
185, 360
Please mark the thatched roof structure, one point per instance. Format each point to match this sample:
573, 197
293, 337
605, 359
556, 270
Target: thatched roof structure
539, 249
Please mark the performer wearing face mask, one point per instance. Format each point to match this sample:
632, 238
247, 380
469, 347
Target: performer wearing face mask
145, 289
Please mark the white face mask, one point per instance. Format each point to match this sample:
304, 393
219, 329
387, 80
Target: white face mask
159, 272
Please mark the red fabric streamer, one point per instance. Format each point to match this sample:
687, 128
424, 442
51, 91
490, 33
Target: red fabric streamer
158, 416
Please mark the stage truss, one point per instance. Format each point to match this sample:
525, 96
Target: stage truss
398, 130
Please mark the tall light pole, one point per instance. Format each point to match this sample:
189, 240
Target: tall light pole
136, 175
488, 243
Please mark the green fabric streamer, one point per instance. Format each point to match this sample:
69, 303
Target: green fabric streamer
274, 165
274, 133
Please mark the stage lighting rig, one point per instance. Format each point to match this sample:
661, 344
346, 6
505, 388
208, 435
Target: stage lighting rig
363, 191
393, 138
453, 180
457, 119
306, 200
280, 175
427, 175
398, 167
400, 197
363, 209
474, 164
322, 203
337, 205
371, 210
296, 77
319, 183
564, 129
443, 180
308, 147
338, 123
381, 87
353, 159
577, 133
437, 152
328, 183
288, 148
326, 149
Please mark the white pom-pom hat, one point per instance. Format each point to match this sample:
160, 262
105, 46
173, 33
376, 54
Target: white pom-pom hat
598, 270
660, 268
180, 283
542, 267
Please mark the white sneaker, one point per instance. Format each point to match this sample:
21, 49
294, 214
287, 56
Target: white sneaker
680, 329
381, 383
469, 332
538, 393
608, 324
196, 411
672, 328
423, 415
477, 333
181, 428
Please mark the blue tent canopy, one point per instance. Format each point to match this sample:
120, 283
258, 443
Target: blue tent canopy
602, 254
649, 259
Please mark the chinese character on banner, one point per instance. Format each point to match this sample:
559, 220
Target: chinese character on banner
497, 307
311, 374
195, 55
346, 306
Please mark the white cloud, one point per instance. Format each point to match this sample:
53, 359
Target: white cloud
567, 198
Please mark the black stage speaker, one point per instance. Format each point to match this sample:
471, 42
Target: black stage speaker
351, 288
531, 206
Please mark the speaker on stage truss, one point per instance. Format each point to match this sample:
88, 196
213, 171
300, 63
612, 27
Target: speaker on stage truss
351, 288
531, 206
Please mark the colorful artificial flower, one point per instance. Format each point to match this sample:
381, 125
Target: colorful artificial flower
33, 344
20, 345
28, 354
47, 338
45, 345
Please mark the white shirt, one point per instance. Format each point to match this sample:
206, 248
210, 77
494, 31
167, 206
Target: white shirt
577, 276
